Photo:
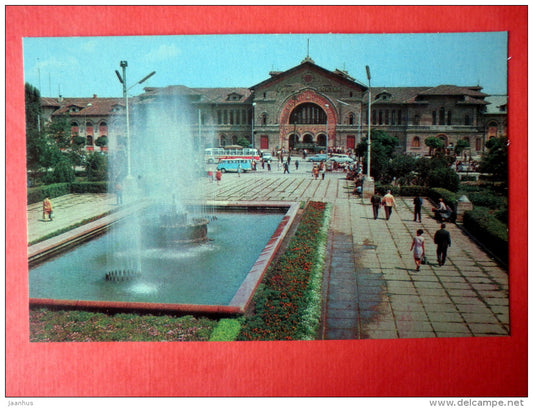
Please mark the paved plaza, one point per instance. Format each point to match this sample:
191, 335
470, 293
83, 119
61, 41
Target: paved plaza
371, 288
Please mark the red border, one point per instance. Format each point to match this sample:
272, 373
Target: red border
411, 367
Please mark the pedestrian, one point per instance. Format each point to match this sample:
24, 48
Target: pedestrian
296, 164
417, 201
286, 168
388, 202
268, 166
418, 249
376, 202
218, 176
443, 240
118, 192
323, 173
315, 172
239, 169
47, 208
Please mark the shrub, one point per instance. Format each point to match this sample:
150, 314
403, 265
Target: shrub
411, 191
491, 232
37, 194
486, 199
449, 197
287, 303
89, 187
226, 330
444, 177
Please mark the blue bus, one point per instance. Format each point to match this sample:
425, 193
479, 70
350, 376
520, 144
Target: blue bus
234, 164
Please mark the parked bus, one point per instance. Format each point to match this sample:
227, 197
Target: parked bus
233, 165
215, 154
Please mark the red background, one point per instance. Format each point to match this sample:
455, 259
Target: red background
495, 366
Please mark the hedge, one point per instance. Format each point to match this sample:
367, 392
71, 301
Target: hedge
226, 330
490, 231
37, 194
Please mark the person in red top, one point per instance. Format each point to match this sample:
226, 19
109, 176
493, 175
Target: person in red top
47, 208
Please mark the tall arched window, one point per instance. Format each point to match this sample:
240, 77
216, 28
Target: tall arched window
416, 142
442, 114
351, 119
308, 114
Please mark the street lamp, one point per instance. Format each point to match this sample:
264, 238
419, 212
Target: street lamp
125, 90
253, 114
327, 133
369, 112
368, 182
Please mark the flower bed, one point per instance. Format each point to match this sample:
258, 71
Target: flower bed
288, 301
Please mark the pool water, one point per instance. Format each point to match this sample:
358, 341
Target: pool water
203, 274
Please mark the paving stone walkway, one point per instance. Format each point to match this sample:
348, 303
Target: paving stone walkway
371, 288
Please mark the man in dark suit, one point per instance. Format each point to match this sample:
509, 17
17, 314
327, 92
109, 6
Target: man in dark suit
443, 241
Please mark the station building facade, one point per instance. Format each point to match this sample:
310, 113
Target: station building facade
306, 106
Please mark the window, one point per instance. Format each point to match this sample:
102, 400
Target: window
442, 114
308, 114
351, 119
449, 120
434, 118
416, 121
399, 117
263, 119
468, 122
416, 142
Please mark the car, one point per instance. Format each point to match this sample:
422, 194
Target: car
267, 157
318, 158
341, 158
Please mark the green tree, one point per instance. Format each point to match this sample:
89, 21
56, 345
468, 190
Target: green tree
382, 149
434, 143
96, 167
402, 167
242, 141
59, 131
444, 177
494, 160
460, 146
101, 141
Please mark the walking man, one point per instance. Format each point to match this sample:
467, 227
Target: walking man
388, 202
417, 201
443, 241
47, 208
376, 202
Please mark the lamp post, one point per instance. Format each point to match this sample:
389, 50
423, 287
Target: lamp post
368, 181
253, 114
125, 89
327, 133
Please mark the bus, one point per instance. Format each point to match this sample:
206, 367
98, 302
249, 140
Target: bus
215, 154
225, 165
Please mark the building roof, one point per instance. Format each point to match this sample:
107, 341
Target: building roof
417, 95
202, 95
308, 63
93, 106
497, 104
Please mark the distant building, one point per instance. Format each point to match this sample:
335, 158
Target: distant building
305, 106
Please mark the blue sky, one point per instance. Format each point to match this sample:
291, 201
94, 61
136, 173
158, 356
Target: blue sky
83, 66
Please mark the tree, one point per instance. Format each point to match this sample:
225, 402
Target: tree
494, 160
444, 177
401, 167
382, 149
434, 144
59, 131
242, 141
96, 167
460, 146
101, 141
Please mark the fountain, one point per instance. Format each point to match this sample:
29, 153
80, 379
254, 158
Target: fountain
174, 250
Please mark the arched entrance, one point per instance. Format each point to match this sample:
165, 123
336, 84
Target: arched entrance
309, 112
293, 140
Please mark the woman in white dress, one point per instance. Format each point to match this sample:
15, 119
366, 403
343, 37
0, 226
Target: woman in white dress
418, 247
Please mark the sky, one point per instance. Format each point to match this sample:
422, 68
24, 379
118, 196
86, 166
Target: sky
84, 66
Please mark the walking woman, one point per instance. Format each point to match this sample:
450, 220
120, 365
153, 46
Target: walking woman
418, 247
